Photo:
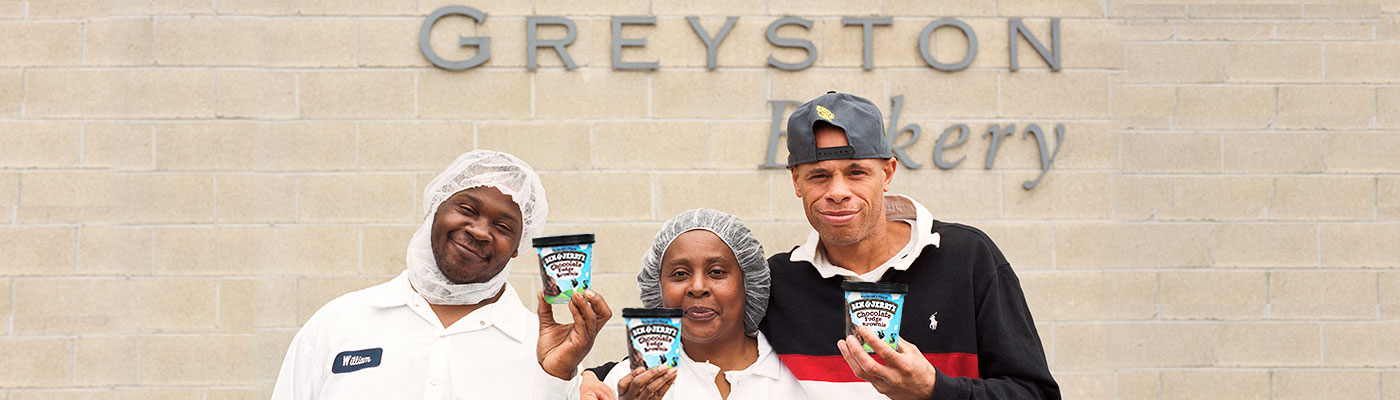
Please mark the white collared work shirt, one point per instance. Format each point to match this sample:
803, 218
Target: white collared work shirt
385, 342
766, 378
898, 207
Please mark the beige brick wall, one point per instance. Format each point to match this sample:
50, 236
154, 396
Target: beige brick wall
183, 183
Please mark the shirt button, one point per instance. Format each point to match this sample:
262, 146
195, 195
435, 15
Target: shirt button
434, 382
481, 323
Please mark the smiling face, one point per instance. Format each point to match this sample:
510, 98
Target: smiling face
844, 198
700, 275
475, 233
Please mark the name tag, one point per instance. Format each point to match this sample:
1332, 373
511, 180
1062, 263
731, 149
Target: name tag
351, 361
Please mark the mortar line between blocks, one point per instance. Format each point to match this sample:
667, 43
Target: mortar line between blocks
11, 329
1318, 238
218, 303
1324, 62
152, 236
362, 248
296, 92
24, 91
215, 185
296, 198
152, 165
139, 352
214, 77
1377, 282
73, 361
82, 139
77, 249
82, 43
1375, 108
1322, 337
155, 41
655, 195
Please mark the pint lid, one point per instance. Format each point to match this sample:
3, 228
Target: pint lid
561, 240
652, 313
874, 287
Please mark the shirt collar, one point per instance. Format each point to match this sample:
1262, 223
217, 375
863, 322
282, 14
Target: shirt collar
510, 316
766, 365
397, 293
507, 314
898, 207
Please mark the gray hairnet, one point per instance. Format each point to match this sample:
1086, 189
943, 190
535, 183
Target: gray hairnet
740, 240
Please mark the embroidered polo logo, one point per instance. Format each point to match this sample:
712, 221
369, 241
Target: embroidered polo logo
933, 322
351, 361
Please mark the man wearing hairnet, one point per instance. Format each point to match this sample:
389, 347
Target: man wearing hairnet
450, 325
966, 332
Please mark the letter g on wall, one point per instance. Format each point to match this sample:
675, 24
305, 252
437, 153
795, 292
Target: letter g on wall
482, 44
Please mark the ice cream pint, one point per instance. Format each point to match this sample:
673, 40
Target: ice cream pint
653, 336
876, 305
566, 265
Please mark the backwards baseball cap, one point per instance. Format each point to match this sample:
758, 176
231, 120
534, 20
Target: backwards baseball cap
865, 129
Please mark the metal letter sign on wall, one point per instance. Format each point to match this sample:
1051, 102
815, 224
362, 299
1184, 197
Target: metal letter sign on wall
995, 132
1016, 30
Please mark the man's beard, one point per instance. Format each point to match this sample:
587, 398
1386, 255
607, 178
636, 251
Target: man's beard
449, 269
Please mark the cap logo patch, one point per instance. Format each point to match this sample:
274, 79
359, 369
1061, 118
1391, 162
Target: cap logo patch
825, 113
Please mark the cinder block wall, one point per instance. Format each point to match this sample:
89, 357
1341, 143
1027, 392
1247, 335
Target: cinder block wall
183, 182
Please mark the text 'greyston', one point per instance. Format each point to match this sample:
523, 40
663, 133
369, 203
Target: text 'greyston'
1016, 30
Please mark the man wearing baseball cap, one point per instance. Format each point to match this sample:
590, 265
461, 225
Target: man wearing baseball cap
966, 332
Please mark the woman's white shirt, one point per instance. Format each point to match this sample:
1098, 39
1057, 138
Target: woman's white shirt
766, 378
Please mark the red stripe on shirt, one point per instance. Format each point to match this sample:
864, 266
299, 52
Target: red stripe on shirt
835, 369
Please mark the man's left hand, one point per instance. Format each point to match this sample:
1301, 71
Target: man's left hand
906, 374
561, 347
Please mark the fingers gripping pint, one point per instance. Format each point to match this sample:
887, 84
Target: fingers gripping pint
566, 264
878, 306
653, 336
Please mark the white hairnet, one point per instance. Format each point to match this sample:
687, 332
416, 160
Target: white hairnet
477, 168
740, 240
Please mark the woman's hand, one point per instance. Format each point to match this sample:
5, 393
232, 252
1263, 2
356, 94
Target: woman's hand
562, 347
649, 384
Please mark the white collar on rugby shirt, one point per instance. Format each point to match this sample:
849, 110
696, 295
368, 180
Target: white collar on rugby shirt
898, 207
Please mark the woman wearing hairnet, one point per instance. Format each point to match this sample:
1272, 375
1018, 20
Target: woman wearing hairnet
707, 263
